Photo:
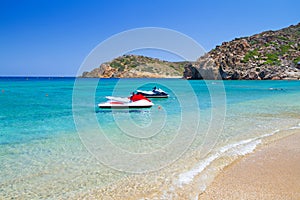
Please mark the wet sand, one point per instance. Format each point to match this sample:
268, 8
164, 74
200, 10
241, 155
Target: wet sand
271, 172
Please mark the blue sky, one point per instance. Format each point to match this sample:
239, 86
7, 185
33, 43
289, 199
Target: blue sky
52, 37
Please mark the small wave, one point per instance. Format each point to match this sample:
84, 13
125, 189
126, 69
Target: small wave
244, 150
187, 177
230, 146
278, 89
240, 148
234, 150
295, 127
269, 134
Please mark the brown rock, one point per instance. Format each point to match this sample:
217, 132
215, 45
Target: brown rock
276, 78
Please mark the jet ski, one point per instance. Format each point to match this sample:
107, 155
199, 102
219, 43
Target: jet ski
135, 101
154, 93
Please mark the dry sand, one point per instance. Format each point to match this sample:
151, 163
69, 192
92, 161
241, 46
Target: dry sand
272, 172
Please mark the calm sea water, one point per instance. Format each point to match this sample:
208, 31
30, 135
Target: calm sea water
56, 143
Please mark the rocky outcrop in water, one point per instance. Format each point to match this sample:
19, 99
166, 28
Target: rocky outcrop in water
264, 56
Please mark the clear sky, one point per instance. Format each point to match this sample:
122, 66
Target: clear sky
52, 37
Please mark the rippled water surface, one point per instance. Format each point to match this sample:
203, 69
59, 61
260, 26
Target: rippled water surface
56, 143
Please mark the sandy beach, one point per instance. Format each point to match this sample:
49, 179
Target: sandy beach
271, 172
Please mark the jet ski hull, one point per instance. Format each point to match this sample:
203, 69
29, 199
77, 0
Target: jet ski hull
155, 93
121, 107
125, 105
153, 96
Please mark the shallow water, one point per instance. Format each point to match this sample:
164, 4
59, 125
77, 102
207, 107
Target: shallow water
56, 143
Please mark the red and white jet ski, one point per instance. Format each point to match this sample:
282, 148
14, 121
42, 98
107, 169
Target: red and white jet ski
135, 101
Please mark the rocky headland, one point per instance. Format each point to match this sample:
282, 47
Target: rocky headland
269, 55
135, 66
264, 56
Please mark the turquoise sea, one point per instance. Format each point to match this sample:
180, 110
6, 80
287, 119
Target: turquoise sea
55, 143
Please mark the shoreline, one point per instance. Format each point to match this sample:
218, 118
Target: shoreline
272, 171
212, 189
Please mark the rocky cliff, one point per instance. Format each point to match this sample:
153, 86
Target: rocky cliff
268, 55
134, 66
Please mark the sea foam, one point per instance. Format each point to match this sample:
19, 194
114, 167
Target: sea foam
239, 148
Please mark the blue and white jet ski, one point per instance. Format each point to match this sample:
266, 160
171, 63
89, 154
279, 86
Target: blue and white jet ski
154, 93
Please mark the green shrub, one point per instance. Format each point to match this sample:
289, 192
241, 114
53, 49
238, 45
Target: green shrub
296, 60
284, 49
274, 44
272, 56
121, 68
252, 42
149, 69
272, 59
282, 37
115, 64
133, 66
175, 68
250, 55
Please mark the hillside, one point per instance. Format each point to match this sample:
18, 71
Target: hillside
264, 56
134, 66
268, 55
